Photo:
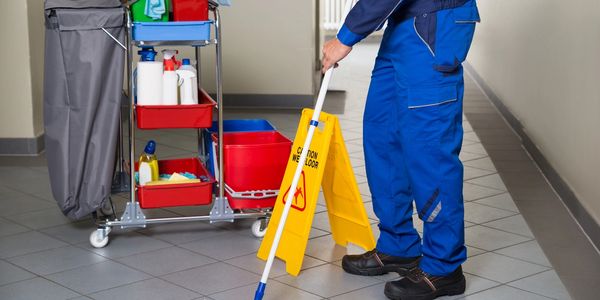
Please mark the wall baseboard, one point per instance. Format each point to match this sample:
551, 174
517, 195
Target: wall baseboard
22, 146
589, 225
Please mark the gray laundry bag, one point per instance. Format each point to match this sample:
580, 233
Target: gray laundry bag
83, 82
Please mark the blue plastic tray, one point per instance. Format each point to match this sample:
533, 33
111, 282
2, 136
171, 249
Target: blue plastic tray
171, 31
233, 126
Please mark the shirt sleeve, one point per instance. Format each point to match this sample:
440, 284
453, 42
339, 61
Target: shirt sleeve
364, 18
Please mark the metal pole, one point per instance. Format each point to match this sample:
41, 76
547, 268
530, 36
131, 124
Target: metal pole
220, 105
132, 185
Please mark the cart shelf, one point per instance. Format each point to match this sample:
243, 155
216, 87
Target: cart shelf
172, 31
177, 116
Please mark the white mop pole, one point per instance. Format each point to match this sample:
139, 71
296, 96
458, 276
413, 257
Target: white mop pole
314, 123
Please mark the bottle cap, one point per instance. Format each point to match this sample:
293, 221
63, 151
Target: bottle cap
186, 61
150, 147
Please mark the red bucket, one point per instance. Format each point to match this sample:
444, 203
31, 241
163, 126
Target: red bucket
254, 161
190, 10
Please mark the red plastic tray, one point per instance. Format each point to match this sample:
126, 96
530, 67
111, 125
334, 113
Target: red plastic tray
190, 10
254, 161
177, 116
182, 194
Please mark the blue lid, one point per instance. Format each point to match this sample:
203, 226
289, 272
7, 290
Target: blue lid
147, 54
150, 147
185, 62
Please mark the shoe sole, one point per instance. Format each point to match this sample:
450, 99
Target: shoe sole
400, 269
455, 289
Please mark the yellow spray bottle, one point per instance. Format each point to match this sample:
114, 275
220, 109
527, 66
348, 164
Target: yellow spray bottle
148, 164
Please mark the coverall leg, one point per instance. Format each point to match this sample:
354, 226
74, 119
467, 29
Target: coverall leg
413, 135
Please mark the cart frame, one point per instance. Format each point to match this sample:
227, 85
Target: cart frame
133, 216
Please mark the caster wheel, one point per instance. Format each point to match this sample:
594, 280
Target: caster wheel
106, 209
98, 239
259, 228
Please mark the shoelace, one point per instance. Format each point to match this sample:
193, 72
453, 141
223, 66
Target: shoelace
418, 275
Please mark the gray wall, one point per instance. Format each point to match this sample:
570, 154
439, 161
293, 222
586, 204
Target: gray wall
541, 58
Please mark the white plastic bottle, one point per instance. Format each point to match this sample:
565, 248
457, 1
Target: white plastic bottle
187, 66
186, 80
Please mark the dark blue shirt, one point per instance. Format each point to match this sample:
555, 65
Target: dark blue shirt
370, 15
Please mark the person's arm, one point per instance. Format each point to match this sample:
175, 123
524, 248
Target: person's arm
364, 18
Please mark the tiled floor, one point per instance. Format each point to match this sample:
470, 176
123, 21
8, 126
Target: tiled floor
43, 255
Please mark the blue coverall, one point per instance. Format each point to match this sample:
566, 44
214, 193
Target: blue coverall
413, 124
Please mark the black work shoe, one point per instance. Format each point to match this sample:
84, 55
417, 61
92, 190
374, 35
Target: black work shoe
418, 285
373, 263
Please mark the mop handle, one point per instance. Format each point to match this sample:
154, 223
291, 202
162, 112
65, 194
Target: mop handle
314, 123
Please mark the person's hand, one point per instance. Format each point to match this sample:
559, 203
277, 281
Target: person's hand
333, 51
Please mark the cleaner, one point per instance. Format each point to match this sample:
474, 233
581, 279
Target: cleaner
187, 66
148, 164
170, 79
187, 79
148, 78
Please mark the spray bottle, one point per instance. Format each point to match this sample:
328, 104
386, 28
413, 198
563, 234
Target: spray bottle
169, 82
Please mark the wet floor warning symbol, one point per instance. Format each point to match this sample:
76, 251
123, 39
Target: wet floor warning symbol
327, 166
299, 195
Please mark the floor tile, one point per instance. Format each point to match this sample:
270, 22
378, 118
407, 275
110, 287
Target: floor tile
504, 293
364, 189
481, 163
28, 242
546, 283
471, 136
36, 288
73, 233
327, 281
374, 292
255, 265
529, 251
321, 221
473, 192
491, 239
470, 172
478, 213
492, 181
315, 233
503, 201
515, 224
275, 291
56, 260
10, 273
123, 244
165, 261
40, 219
98, 277
150, 289
213, 278
14, 203
8, 227
179, 233
325, 249
500, 268
475, 148
467, 156
472, 251
226, 246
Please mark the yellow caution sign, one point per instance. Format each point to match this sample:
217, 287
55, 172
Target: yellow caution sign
327, 165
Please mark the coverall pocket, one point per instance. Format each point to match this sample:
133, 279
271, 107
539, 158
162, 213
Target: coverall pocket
429, 112
455, 30
432, 96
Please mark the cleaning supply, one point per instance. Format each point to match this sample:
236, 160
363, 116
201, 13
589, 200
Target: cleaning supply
155, 9
148, 78
187, 78
148, 164
186, 65
169, 78
190, 10
138, 9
